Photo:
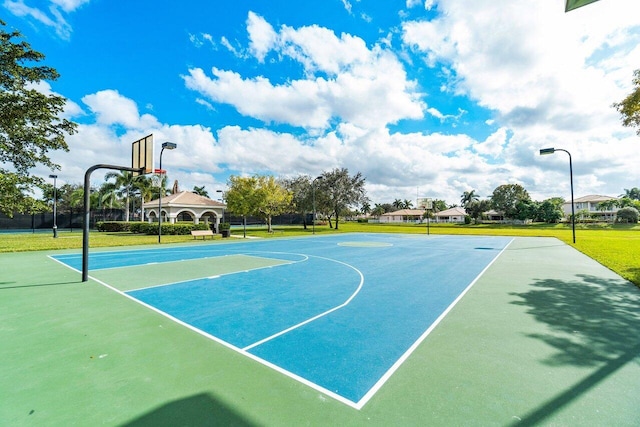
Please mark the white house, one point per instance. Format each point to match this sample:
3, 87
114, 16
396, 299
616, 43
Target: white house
403, 215
591, 204
456, 214
186, 206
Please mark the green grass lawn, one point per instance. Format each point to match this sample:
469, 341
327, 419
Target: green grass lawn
615, 246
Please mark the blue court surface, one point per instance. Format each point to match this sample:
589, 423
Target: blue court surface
339, 313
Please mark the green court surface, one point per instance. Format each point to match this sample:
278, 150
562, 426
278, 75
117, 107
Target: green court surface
546, 336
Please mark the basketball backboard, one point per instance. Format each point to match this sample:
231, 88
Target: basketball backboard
142, 155
425, 203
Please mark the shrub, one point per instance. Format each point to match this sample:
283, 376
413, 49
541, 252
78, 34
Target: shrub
113, 226
627, 214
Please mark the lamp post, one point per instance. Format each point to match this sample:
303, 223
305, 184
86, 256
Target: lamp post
313, 194
55, 198
222, 200
545, 151
168, 146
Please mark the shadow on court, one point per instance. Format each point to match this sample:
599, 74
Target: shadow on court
36, 285
198, 410
593, 323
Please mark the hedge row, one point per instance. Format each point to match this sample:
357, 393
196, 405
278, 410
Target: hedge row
149, 227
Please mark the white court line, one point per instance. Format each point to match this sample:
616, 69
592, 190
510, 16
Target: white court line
344, 304
373, 390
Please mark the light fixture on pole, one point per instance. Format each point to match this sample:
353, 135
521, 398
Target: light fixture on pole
55, 199
222, 200
168, 146
313, 194
545, 151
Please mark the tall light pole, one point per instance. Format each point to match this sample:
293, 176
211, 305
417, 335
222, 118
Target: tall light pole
573, 212
168, 146
55, 199
222, 200
313, 194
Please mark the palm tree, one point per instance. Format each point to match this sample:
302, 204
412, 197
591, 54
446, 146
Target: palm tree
145, 188
200, 191
366, 208
125, 183
469, 196
633, 194
407, 204
397, 203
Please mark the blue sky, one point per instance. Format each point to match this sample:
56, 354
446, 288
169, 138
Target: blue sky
425, 98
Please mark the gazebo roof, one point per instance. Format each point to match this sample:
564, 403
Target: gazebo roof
185, 199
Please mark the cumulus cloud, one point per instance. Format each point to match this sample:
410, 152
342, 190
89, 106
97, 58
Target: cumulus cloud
344, 80
51, 16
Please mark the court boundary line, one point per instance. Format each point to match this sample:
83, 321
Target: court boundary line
287, 262
383, 379
230, 346
318, 316
372, 391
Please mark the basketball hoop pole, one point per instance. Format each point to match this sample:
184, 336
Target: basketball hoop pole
87, 210
168, 146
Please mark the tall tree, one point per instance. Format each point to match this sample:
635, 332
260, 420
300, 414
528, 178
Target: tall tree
30, 123
125, 182
301, 188
340, 191
468, 197
633, 193
200, 191
242, 197
273, 199
505, 199
629, 107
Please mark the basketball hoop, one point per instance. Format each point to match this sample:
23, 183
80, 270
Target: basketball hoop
156, 179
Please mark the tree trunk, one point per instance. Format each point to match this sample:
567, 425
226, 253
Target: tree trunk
269, 229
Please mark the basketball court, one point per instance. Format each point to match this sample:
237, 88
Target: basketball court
350, 329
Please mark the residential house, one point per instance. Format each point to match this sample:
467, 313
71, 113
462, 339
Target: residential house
403, 215
592, 205
454, 215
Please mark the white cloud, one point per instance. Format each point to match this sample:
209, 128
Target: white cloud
262, 36
344, 80
52, 16
111, 108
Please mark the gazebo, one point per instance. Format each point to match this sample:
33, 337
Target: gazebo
186, 206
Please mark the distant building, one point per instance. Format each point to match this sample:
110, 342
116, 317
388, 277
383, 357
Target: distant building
453, 215
592, 204
403, 215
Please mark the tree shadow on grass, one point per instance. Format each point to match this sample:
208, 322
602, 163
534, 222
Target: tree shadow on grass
594, 322
197, 410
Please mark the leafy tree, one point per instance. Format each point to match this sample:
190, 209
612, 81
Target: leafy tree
633, 193
273, 199
339, 191
439, 205
629, 107
301, 191
627, 214
366, 208
200, 191
125, 183
476, 208
505, 199
550, 210
468, 197
241, 196
526, 209
258, 195
30, 123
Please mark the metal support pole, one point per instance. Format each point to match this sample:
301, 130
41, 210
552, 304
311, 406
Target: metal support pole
87, 211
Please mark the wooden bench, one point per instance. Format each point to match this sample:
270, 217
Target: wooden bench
201, 233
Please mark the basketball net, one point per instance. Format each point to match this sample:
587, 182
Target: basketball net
156, 178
